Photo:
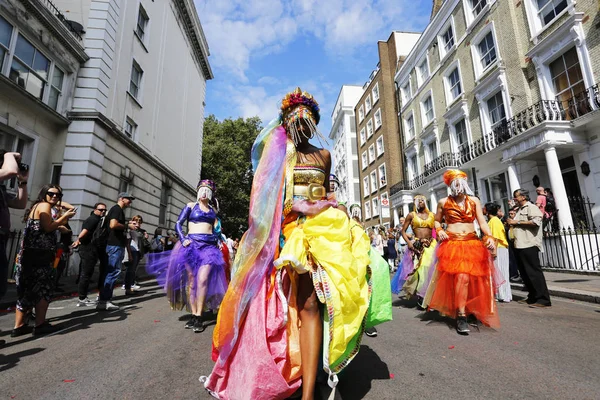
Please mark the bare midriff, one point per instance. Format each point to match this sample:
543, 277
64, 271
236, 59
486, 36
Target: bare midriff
199, 227
422, 233
461, 227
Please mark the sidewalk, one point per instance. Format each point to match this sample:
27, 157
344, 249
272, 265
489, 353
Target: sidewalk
576, 286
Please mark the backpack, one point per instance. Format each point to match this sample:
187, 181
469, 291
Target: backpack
100, 233
550, 205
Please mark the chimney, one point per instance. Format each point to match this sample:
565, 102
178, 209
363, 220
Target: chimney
437, 4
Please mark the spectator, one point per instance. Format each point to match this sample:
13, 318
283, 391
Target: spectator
91, 242
159, 241
527, 229
35, 273
115, 249
137, 245
63, 252
400, 242
541, 201
501, 261
392, 254
512, 266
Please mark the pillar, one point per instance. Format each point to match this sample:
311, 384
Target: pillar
565, 219
513, 179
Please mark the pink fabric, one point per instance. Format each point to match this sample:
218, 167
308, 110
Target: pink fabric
541, 203
253, 369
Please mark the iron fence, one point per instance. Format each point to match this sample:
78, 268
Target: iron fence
61, 17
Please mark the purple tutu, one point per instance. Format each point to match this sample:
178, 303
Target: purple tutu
405, 268
177, 271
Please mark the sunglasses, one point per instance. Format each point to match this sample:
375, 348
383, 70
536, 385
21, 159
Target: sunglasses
54, 194
101, 209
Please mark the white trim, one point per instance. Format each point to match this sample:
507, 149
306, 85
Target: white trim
375, 184
378, 112
440, 38
478, 67
367, 213
363, 136
384, 173
370, 122
372, 156
369, 103
376, 86
407, 138
379, 139
470, 18
422, 79
376, 206
361, 113
428, 94
447, 89
364, 160
366, 186
533, 18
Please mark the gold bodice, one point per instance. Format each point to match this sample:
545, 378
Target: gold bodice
306, 174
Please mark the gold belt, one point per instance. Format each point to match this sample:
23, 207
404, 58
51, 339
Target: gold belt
312, 191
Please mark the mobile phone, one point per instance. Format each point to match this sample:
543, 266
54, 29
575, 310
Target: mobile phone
23, 167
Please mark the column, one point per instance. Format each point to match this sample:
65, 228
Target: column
433, 200
405, 209
513, 179
396, 217
557, 185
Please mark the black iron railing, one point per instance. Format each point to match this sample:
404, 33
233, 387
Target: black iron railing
582, 103
61, 17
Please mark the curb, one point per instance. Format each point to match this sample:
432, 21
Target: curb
587, 297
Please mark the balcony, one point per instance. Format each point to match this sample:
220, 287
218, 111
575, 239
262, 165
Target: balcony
75, 28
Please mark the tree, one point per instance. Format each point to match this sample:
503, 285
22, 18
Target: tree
226, 160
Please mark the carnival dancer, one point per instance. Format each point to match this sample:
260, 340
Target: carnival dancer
463, 281
414, 276
295, 258
193, 273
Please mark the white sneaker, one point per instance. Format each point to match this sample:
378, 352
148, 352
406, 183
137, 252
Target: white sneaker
135, 286
123, 287
86, 303
106, 306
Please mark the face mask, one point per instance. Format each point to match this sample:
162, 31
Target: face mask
456, 188
204, 193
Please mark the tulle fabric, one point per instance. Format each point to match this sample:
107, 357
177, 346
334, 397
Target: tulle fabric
405, 267
177, 271
417, 281
464, 262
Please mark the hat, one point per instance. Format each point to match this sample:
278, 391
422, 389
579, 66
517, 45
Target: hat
126, 195
453, 174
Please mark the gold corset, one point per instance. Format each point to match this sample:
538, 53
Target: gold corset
306, 174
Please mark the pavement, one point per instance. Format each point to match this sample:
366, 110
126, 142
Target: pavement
143, 352
582, 286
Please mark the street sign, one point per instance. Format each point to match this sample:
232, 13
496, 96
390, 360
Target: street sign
385, 202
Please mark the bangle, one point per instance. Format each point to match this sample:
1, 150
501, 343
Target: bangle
490, 237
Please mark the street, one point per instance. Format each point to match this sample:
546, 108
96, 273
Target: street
143, 352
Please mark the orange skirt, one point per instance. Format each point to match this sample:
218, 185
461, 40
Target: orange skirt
464, 276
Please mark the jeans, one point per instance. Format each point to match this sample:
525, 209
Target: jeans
131, 269
113, 269
3, 267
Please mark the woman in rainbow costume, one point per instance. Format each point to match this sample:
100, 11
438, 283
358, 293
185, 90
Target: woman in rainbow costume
295, 256
413, 277
464, 279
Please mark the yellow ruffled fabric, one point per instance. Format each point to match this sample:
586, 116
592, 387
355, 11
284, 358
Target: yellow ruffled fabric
325, 241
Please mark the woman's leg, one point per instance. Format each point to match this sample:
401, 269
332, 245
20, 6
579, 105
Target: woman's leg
461, 291
201, 287
40, 311
311, 334
20, 318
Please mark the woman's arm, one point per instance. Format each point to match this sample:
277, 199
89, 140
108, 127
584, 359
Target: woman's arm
183, 217
44, 211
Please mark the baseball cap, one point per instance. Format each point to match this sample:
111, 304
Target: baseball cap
126, 195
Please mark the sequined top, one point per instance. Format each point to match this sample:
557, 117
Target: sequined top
454, 214
417, 222
305, 174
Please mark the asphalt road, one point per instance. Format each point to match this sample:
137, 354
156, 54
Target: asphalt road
143, 352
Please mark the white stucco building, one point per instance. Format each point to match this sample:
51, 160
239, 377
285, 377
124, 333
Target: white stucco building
138, 109
345, 153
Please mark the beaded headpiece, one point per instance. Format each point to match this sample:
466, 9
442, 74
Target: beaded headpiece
416, 202
453, 174
206, 183
299, 106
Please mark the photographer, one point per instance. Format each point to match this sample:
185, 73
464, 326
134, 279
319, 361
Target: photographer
10, 167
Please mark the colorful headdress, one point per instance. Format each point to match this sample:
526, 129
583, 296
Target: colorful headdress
300, 106
416, 202
206, 183
453, 174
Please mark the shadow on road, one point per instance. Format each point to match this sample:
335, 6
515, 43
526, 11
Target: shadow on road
405, 303
10, 361
355, 380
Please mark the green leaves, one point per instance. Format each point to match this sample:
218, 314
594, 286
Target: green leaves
226, 160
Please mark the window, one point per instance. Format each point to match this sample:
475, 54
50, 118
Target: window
55, 176
567, 78
361, 113
371, 154
373, 181
369, 128
460, 129
130, 127
375, 202
376, 93
378, 118
496, 111
406, 94
382, 175
487, 50
454, 86
413, 166
363, 137
496, 190
136, 80
5, 35
364, 160
379, 145
477, 6
30, 68
164, 201
367, 210
427, 105
366, 187
56, 88
423, 72
448, 39
549, 9
431, 151
125, 179
410, 128
368, 104
142, 23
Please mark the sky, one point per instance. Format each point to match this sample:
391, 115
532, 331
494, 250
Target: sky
262, 49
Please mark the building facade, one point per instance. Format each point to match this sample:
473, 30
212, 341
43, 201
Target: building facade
345, 152
138, 109
507, 92
378, 139
40, 58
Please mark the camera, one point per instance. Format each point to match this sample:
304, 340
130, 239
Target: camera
23, 167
